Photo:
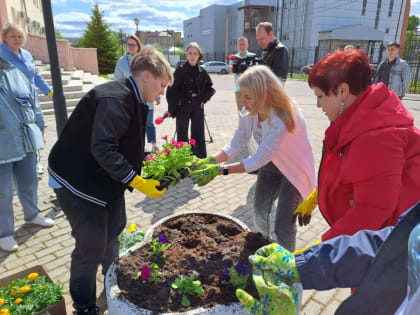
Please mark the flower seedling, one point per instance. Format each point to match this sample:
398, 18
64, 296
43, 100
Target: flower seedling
187, 286
237, 275
130, 237
158, 245
150, 274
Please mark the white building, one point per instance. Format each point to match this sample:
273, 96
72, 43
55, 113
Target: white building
332, 24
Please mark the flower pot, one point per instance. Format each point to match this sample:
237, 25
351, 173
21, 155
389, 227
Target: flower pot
187, 234
55, 309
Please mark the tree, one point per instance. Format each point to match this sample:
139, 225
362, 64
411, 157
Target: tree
58, 35
99, 35
413, 22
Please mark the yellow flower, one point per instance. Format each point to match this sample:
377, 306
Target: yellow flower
14, 292
132, 228
18, 301
43, 287
4, 311
33, 276
1, 302
25, 289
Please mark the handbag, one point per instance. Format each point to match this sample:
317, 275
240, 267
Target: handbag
32, 135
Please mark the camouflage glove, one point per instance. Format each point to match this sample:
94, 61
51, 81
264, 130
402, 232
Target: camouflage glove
147, 186
305, 209
276, 297
277, 259
305, 248
203, 176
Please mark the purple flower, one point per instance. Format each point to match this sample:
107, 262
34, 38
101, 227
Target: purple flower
162, 239
226, 275
145, 272
241, 269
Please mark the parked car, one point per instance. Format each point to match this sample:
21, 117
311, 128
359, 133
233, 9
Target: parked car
306, 69
216, 67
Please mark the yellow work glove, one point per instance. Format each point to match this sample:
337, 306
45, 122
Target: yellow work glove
51, 94
147, 186
305, 209
305, 248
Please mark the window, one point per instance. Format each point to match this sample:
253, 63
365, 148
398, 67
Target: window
391, 6
364, 7
387, 31
378, 12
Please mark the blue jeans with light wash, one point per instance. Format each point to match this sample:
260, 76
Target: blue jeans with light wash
24, 175
276, 223
150, 127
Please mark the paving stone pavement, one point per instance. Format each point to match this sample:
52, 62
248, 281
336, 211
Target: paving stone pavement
231, 195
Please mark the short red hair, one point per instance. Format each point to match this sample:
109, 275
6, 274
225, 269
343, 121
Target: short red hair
350, 66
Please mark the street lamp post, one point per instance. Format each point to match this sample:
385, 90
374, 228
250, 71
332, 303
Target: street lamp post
121, 33
137, 22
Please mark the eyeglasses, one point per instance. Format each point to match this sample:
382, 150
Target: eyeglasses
132, 45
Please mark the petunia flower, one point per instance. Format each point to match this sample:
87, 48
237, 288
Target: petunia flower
149, 158
241, 268
165, 137
159, 120
162, 239
226, 275
193, 142
168, 151
145, 272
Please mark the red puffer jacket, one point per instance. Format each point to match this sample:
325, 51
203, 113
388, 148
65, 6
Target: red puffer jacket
370, 171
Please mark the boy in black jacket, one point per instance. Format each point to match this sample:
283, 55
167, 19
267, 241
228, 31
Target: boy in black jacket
97, 157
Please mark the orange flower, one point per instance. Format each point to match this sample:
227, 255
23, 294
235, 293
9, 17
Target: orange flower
33, 276
18, 301
4, 311
24, 289
14, 292
1, 302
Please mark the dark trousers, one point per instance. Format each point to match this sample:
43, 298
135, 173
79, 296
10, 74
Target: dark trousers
95, 230
194, 112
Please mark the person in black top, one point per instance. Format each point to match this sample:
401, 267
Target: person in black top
192, 88
97, 156
275, 55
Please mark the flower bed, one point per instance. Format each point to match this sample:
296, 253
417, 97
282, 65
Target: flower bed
31, 292
206, 255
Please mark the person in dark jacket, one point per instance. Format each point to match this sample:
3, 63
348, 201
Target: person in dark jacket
192, 88
97, 156
380, 263
275, 55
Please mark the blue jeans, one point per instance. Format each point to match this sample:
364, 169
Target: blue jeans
150, 127
277, 225
24, 175
95, 230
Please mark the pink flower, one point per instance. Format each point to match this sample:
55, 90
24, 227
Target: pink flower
145, 272
193, 142
149, 158
168, 151
173, 142
179, 144
159, 120
165, 138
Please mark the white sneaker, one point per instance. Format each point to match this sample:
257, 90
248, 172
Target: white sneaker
39, 169
8, 244
41, 221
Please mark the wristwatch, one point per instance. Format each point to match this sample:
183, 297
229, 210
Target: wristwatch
225, 171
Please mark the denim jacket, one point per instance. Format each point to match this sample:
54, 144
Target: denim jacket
399, 78
17, 94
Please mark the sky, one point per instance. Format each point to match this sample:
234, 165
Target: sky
71, 16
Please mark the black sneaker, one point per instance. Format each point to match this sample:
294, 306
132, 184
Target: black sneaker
88, 311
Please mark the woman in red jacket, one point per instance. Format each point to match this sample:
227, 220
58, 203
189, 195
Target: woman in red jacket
370, 169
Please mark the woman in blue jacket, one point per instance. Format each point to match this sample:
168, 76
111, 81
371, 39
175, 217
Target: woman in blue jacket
11, 50
21, 128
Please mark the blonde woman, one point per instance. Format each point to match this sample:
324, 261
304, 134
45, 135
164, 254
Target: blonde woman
274, 130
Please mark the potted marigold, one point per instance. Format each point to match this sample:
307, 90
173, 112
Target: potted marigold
31, 292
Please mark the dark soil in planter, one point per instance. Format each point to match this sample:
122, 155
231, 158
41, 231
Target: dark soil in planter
203, 243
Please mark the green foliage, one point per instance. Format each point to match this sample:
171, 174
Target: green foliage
58, 35
180, 45
157, 247
236, 279
40, 295
187, 286
157, 47
129, 238
413, 22
412, 42
98, 35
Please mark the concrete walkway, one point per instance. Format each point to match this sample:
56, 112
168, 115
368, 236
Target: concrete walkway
231, 195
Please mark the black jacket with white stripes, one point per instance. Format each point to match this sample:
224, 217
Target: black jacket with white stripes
101, 147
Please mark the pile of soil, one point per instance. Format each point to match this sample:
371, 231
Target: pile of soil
203, 243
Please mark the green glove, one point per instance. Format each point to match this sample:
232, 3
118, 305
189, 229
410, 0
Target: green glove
278, 259
203, 176
201, 163
147, 186
276, 297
